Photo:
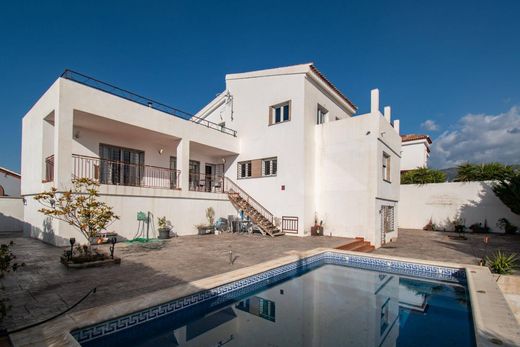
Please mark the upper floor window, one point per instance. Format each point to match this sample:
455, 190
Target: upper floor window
244, 169
386, 167
321, 115
280, 113
269, 167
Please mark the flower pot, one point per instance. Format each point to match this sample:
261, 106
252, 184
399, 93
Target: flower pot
164, 233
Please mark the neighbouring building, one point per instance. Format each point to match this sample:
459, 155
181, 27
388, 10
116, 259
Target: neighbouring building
9, 183
283, 144
415, 151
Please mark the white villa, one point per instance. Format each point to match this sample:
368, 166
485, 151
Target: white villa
283, 144
415, 151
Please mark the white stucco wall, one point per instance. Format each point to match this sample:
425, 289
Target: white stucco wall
10, 184
414, 155
475, 202
11, 213
183, 213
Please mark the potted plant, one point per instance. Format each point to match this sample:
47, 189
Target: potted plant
164, 228
208, 228
317, 229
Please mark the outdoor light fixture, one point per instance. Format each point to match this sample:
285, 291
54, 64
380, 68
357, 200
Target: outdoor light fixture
113, 241
161, 151
52, 202
24, 201
72, 241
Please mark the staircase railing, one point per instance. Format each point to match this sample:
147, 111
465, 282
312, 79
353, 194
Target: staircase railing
232, 187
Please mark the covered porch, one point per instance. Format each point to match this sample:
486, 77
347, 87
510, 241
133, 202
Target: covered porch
120, 154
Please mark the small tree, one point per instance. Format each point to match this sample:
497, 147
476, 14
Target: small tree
508, 191
423, 175
78, 207
484, 172
210, 215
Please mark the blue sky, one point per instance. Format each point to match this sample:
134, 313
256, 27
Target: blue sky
455, 63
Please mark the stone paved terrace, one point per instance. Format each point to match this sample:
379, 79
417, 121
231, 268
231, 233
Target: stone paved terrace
44, 287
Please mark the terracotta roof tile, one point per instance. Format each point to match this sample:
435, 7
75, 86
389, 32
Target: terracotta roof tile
320, 75
414, 137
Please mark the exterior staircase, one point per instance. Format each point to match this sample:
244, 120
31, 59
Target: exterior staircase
252, 209
359, 245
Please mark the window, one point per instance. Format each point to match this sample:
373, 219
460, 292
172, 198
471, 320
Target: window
321, 115
121, 166
280, 113
269, 167
387, 218
244, 169
194, 174
386, 167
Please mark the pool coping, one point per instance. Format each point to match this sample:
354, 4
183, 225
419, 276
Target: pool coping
492, 317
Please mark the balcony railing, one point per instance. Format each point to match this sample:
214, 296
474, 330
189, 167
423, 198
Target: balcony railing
206, 183
115, 172
125, 94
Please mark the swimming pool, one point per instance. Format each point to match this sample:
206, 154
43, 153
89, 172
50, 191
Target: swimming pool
330, 299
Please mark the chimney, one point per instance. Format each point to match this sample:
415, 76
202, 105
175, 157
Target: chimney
374, 101
396, 126
388, 113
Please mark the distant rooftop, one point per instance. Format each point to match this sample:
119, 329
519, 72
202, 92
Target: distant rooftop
9, 172
415, 137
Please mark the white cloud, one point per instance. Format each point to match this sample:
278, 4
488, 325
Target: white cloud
479, 138
430, 125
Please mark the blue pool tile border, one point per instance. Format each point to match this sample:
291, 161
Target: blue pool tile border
234, 289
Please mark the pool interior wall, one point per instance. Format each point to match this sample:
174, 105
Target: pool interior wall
364, 302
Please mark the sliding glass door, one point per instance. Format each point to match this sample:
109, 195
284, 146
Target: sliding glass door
121, 166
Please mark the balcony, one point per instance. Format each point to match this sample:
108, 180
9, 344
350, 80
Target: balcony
133, 97
114, 172
206, 183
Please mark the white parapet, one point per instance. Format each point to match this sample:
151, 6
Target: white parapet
374, 100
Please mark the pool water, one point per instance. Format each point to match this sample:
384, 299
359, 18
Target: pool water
327, 305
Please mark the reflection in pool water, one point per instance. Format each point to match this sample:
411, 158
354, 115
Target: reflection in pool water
327, 306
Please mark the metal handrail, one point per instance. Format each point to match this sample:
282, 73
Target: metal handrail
146, 176
232, 187
130, 96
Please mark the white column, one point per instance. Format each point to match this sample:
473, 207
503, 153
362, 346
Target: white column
388, 113
63, 122
396, 125
374, 101
183, 163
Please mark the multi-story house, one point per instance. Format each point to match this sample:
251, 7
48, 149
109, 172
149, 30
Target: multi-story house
283, 145
415, 151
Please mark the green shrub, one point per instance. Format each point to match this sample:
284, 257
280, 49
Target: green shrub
508, 191
504, 224
484, 172
501, 263
423, 175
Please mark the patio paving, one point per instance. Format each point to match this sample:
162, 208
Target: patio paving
44, 287
437, 245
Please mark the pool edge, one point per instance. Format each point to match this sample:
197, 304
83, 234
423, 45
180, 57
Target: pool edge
487, 325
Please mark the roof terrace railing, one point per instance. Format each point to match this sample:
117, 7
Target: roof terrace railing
125, 94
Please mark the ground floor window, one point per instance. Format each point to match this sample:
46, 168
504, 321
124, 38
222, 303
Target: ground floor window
388, 218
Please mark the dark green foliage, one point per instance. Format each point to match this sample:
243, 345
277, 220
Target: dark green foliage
423, 175
508, 191
504, 224
484, 172
501, 263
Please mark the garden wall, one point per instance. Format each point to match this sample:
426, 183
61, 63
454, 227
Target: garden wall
474, 202
11, 213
